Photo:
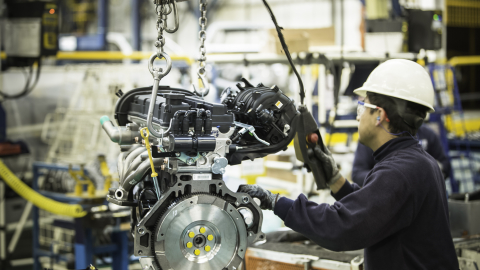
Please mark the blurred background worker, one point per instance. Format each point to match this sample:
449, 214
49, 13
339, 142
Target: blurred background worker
400, 217
363, 162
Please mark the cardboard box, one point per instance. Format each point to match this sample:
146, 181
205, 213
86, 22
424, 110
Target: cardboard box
280, 170
284, 175
301, 40
282, 158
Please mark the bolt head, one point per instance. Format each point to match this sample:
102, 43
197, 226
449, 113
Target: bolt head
136, 139
202, 161
177, 154
141, 231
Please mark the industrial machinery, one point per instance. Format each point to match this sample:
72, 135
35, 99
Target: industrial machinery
32, 31
184, 216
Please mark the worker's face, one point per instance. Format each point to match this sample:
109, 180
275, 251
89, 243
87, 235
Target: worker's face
366, 125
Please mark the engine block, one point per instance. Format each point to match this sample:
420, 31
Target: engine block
186, 217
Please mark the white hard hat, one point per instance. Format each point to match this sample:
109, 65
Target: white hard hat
401, 79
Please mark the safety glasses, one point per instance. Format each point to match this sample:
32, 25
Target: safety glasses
361, 107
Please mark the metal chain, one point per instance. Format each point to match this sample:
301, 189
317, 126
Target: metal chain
202, 35
161, 11
202, 61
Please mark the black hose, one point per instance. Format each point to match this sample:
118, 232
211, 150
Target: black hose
187, 114
178, 113
27, 89
285, 49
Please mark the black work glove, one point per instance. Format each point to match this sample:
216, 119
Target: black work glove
328, 164
267, 198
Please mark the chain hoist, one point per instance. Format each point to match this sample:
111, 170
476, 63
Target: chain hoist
202, 61
163, 8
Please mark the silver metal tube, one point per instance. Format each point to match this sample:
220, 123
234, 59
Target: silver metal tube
151, 108
112, 131
119, 135
120, 165
260, 140
135, 177
130, 159
193, 169
121, 158
135, 163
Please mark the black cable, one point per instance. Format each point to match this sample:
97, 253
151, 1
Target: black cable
285, 49
27, 89
28, 78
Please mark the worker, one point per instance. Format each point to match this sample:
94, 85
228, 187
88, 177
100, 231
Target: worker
400, 216
428, 139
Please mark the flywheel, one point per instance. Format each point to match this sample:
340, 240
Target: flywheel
202, 232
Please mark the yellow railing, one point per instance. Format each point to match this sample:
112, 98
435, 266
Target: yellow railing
464, 60
108, 56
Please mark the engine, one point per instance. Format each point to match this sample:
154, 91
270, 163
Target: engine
186, 217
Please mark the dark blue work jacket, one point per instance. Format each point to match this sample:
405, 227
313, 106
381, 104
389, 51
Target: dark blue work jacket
430, 141
400, 216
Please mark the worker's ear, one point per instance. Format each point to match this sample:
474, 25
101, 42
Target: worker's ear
382, 117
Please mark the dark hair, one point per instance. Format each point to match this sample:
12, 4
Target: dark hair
403, 115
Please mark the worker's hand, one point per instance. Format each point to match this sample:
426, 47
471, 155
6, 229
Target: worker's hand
329, 165
267, 198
